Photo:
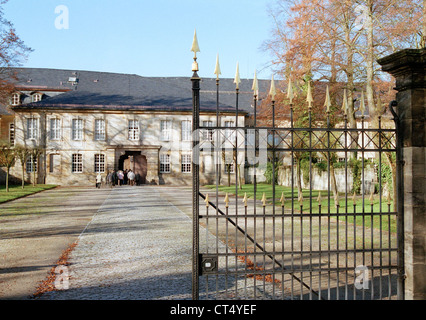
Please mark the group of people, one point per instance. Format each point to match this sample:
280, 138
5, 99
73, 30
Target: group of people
119, 178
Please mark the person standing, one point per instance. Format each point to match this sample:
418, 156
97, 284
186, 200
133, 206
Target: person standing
131, 177
114, 178
120, 175
98, 181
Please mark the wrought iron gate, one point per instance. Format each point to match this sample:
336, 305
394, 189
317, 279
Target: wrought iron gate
270, 244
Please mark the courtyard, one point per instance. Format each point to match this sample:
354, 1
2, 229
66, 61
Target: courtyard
135, 243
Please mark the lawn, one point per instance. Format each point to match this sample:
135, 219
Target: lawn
16, 191
312, 196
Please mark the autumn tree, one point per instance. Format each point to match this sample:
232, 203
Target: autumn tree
13, 52
339, 41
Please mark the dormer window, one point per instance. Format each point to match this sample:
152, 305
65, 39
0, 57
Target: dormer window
16, 99
36, 97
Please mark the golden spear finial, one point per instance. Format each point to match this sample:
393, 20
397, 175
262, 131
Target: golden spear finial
282, 199
272, 91
345, 102
319, 198
309, 98
327, 103
195, 48
300, 198
245, 199
206, 200
255, 86
237, 79
226, 200
264, 199
217, 71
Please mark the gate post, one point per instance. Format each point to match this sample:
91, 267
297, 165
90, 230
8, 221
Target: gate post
409, 69
195, 171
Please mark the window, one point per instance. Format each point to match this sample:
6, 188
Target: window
99, 129
54, 163
32, 128
77, 129
229, 134
133, 130
12, 134
186, 130
229, 168
99, 163
31, 164
186, 163
16, 99
77, 163
36, 97
164, 163
55, 129
207, 134
166, 130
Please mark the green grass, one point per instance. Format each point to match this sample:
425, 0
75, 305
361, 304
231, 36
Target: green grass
16, 191
347, 213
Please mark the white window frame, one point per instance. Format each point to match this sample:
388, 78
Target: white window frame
207, 134
165, 164
186, 130
166, 130
133, 130
36, 97
231, 166
77, 129
30, 165
12, 133
32, 128
99, 163
77, 163
15, 100
100, 132
55, 129
229, 134
186, 163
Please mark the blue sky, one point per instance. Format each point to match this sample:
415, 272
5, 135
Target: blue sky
146, 37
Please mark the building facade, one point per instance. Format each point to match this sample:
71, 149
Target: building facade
87, 123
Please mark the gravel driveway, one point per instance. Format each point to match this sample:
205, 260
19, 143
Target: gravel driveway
137, 247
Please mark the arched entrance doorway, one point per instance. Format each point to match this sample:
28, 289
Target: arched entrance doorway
133, 160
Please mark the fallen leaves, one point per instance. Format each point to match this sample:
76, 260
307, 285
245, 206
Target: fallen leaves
48, 285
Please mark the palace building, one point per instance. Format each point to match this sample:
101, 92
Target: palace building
88, 122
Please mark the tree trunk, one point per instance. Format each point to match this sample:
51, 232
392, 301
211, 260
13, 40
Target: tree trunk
23, 174
392, 165
333, 180
299, 176
7, 179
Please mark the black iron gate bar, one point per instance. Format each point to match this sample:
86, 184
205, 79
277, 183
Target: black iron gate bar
292, 131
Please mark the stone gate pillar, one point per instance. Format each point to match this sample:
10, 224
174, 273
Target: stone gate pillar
409, 69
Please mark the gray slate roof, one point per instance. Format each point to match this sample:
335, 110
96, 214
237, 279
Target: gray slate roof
116, 91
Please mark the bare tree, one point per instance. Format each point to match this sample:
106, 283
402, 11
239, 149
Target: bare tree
22, 153
7, 159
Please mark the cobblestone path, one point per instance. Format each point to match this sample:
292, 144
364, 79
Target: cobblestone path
137, 246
